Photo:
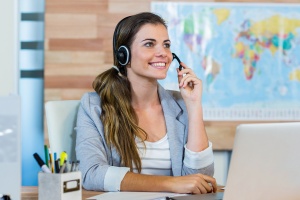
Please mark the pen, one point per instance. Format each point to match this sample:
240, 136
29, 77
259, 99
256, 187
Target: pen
55, 163
77, 166
41, 163
66, 167
63, 157
55, 156
62, 168
46, 155
57, 166
72, 166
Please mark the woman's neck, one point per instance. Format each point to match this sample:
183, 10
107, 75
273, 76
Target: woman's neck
144, 95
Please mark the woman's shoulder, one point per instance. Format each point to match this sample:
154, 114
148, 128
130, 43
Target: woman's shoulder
90, 99
90, 95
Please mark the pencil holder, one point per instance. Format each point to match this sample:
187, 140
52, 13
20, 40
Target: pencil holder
65, 186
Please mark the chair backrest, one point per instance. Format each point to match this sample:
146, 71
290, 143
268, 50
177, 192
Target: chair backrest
61, 120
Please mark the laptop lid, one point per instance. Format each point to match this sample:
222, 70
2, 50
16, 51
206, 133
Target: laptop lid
265, 162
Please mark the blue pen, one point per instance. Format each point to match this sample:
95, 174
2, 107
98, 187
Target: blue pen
55, 156
55, 162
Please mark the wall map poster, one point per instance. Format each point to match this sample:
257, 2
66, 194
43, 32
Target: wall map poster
247, 55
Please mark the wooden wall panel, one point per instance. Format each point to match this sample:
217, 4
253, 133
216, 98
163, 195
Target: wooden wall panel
71, 25
70, 69
76, 6
74, 57
78, 46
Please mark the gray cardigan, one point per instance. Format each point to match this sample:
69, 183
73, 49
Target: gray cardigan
100, 165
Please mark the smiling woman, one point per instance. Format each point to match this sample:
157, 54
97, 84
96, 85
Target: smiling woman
132, 134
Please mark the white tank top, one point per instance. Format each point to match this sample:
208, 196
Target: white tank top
155, 158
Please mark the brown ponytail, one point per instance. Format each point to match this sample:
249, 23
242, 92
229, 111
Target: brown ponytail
118, 117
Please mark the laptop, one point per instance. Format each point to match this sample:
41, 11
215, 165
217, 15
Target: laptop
265, 164
10, 147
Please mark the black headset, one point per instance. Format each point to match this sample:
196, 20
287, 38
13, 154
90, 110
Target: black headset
178, 60
123, 52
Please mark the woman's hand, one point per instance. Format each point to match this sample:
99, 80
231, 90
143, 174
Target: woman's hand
190, 86
194, 184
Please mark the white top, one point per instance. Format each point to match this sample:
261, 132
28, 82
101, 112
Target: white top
156, 159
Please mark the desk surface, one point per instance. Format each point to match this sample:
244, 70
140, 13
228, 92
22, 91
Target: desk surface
31, 193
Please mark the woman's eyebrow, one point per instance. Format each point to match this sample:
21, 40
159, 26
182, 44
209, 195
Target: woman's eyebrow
153, 40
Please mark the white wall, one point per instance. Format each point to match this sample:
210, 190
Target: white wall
9, 47
222, 160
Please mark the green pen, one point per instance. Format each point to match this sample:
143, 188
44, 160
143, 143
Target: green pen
46, 155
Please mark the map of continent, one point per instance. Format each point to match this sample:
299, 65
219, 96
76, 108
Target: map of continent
276, 33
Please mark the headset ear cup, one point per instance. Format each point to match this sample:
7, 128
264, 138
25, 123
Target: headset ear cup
123, 55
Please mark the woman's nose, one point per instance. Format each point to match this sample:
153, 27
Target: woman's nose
161, 51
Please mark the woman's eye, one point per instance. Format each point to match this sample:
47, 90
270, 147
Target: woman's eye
149, 44
167, 45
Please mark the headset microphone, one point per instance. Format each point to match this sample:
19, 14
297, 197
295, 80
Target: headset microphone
178, 60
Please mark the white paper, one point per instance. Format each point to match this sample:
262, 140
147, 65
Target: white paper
135, 196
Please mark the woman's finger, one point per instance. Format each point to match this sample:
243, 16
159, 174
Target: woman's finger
202, 189
212, 181
187, 71
184, 79
190, 81
179, 76
207, 186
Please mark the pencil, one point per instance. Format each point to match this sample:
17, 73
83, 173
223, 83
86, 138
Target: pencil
51, 161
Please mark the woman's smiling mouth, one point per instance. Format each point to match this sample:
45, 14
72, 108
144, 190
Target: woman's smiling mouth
158, 64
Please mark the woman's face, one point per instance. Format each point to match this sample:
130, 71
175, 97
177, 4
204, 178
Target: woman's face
150, 53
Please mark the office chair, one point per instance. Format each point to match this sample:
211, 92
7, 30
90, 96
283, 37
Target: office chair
61, 120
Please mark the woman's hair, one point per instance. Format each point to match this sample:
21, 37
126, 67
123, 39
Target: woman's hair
119, 119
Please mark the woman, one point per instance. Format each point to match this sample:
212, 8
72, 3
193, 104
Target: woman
133, 135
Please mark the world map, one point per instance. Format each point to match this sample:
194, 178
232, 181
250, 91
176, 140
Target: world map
247, 56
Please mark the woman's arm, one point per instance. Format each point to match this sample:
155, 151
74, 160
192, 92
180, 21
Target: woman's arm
197, 137
194, 183
99, 166
198, 151
191, 91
